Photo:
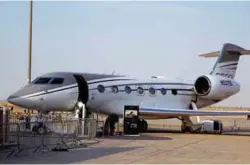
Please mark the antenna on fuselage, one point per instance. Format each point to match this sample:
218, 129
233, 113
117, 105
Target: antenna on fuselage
113, 72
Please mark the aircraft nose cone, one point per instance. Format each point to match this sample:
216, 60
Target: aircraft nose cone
13, 99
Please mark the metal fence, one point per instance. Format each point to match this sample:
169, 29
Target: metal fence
229, 125
236, 125
48, 136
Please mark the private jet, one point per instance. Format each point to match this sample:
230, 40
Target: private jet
157, 97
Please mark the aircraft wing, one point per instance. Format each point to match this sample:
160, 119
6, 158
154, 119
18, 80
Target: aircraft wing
187, 112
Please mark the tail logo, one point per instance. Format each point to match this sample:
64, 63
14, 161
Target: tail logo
226, 83
225, 75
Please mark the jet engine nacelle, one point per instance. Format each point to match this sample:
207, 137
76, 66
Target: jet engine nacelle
215, 87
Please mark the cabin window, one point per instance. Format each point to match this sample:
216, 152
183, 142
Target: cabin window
163, 91
57, 81
101, 88
151, 90
174, 91
128, 90
43, 80
114, 89
140, 90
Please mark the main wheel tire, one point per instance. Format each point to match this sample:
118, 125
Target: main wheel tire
143, 126
190, 130
185, 129
109, 125
41, 130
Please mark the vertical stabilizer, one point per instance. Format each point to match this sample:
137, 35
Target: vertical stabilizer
227, 62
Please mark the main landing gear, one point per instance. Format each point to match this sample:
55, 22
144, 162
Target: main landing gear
185, 128
109, 126
188, 125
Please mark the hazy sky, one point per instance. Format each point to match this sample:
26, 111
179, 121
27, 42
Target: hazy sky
133, 38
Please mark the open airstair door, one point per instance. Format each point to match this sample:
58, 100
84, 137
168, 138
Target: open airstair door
83, 88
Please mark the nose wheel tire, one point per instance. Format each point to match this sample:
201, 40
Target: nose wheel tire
39, 129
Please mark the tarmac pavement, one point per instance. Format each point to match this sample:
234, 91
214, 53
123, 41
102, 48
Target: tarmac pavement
151, 148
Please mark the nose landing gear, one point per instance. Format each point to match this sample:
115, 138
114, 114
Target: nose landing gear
40, 126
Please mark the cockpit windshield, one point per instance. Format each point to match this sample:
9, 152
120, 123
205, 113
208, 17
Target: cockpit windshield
48, 80
42, 80
57, 81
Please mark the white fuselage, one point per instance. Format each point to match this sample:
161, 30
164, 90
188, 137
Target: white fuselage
110, 95
110, 102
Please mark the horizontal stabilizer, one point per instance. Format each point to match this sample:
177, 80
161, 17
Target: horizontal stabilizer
187, 112
217, 53
212, 54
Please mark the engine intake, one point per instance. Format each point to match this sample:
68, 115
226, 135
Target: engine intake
215, 87
202, 86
